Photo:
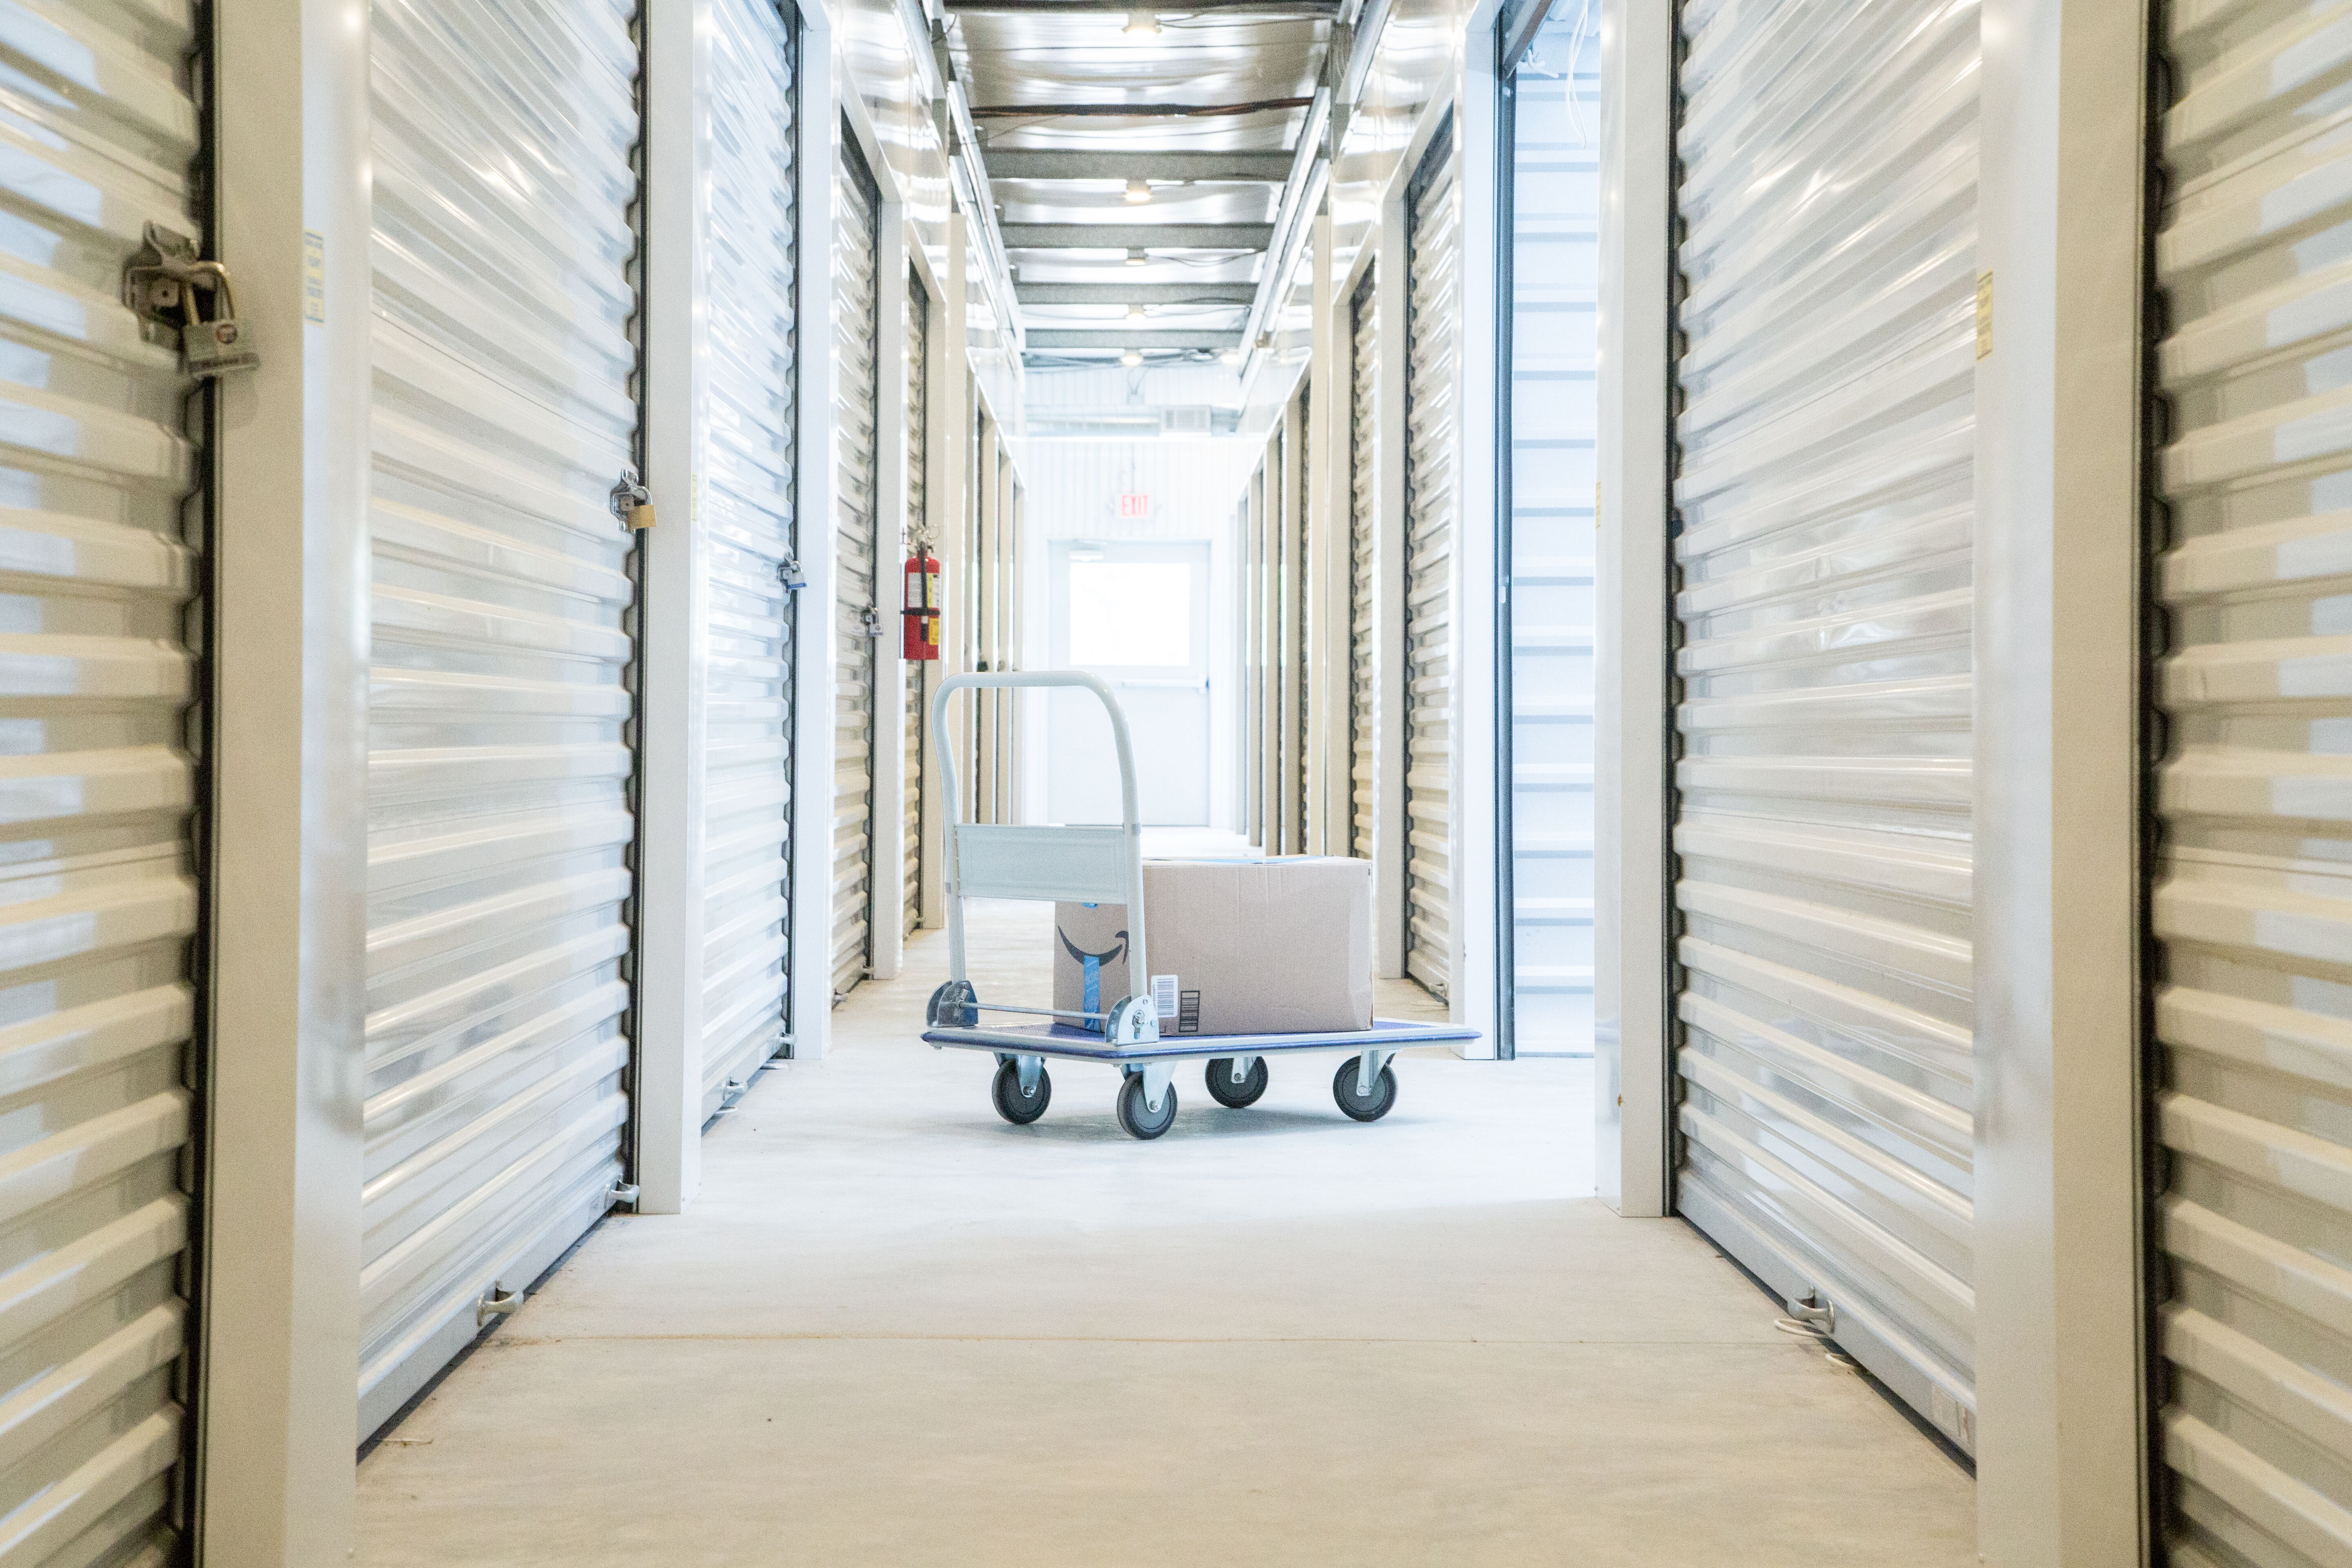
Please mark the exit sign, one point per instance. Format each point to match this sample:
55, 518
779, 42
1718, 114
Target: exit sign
1131, 507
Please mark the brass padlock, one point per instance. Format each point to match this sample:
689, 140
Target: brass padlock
632, 502
221, 345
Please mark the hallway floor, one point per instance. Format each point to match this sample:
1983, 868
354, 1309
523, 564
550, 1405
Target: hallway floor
895, 1331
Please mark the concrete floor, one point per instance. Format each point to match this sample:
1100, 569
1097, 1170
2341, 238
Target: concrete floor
895, 1331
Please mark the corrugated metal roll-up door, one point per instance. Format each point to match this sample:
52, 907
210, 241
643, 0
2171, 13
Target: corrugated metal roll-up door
750, 529
919, 534
1431, 502
1363, 588
99, 894
498, 776
1295, 631
1273, 519
1016, 708
2252, 902
1825, 499
856, 611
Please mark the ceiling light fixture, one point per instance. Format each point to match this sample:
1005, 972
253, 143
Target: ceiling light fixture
1231, 356
1135, 312
1131, 358
1141, 24
1135, 258
1138, 190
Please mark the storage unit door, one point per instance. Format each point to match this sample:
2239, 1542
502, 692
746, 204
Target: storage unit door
1363, 588
1293, 629
857, 626
1829, 158
498, 774
1432, 378
919, 536
1261, 831
2252, 902
1273, 519
100, 889
750, 529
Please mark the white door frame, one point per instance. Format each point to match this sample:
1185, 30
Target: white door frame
2060, 1320
277, 1403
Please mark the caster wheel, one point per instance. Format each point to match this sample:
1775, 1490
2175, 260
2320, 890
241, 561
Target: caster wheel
1138, 1119
1364, 1107
1015, 1106
951, 1006
1226, 1092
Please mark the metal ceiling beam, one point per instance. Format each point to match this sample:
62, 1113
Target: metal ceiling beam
1136, 293
1350, 61
1127, 8
1142, 341
1134, 236
1134, 110
1267, 168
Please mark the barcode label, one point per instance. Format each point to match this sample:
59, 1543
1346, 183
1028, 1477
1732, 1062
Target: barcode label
1163, 995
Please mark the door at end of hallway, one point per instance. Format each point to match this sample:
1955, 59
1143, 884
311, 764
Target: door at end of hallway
1137, 615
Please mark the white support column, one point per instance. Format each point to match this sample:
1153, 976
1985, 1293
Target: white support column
1480, 835
1634, 737
279, 1409
2061, 1377
673, 722
885, 917
813, 639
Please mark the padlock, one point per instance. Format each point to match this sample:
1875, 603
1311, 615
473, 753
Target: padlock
216, 347
632, 503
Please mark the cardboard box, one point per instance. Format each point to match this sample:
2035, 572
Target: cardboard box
1236, 947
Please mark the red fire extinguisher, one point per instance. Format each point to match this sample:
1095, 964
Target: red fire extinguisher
922, 605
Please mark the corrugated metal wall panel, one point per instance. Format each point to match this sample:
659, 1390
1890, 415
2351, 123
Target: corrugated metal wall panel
498, 787
1262, 492
1016, 703
918, 533
1074, 484
2252, 902
99, 890
751, 527
1363, 544
1433, 388
1274, 527
1290, 781
986, 536
856, 328
1555, 287
1825, 494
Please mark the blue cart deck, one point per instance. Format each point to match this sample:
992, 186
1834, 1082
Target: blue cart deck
1068, 1042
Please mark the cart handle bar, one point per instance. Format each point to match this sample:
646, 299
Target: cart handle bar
1138, 969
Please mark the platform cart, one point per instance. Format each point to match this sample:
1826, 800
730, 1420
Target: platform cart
1104, 865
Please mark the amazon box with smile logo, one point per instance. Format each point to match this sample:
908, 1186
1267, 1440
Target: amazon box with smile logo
1236, 947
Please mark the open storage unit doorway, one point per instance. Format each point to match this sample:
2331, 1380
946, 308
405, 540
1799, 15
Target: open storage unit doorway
1548, 514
